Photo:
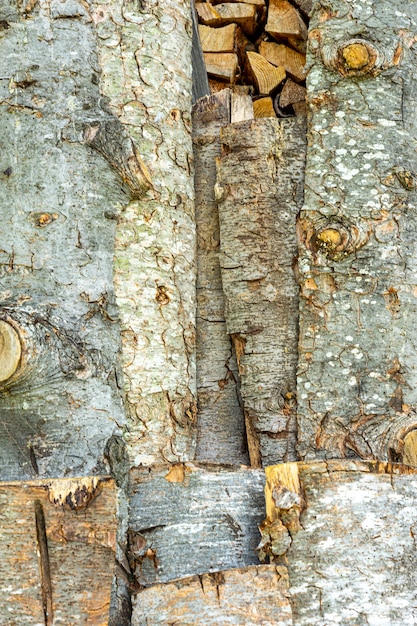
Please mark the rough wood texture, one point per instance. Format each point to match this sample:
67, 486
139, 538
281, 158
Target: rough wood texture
221, 65
217, 39
260, 191
241, 108
187, 520
292, 61
59, 199
264, 107
285, 21
239, 13
221, 435
357, 385
351, 560
57, 546
155, 237
267, 77
249, 596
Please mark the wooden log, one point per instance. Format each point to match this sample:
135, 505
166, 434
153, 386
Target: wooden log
280, 55
260, 191
56, 535
207, 14
222, 65
219, 85
241, 108
202, 519
346, 531
217, 39
238, 13
221, 435
264, 107
291, 94
250, 596
358, 307
285, 21
266, 76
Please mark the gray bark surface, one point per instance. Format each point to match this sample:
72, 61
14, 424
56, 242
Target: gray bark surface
260, 191
250, 596
221, 435
58, 201
357, 389
186, 520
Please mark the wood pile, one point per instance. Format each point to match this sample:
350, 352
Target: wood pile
257, 47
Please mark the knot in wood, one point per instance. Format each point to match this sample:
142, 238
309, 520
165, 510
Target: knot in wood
356, 57
10, 350
336, 238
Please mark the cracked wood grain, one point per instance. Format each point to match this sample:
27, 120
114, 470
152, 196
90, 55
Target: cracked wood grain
249, 596
259, 190
221, 435
357, 368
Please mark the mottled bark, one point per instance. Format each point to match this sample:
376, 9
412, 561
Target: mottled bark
57, 546
144, 52
221, 426
346, 532
58, 200
357, 385
186, 520
260, 190
251, 596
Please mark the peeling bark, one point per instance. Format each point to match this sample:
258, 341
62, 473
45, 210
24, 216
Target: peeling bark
187, 519
249, 596
260, 190
357, 371
221, 433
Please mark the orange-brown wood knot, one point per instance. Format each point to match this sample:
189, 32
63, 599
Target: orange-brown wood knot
10, 350
356, 57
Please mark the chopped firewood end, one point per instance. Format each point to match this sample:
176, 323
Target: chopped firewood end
258, 46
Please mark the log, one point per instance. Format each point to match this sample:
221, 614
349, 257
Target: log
280, 55
221, 435
264, 107
207, 14
291, 94
241, 108
238, 13
217, 39
346, 532
357, 373
285, 21
250, 596
202, 519
56, 535
222, 66
260, 191
266, 76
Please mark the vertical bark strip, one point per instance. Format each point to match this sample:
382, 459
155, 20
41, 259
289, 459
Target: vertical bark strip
59, 399
260, 190
221, 428
357, 384
145, 62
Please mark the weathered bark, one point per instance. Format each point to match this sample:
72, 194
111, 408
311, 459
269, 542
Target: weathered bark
58, 198
346, 532
221, 426
357, 388
145, 60
256, 595
57, 546
259, 189
186, 519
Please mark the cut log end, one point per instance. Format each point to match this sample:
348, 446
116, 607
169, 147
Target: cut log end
10, 351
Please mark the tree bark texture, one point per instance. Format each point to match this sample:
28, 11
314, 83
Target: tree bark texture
144, 52
60, 401
346, 531
357, 389
256, 595
186, 519
260, 191
221, 433
57, 546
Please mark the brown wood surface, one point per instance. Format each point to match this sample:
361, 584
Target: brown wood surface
57, 545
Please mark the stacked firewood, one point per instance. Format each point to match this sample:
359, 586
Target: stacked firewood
257, 47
